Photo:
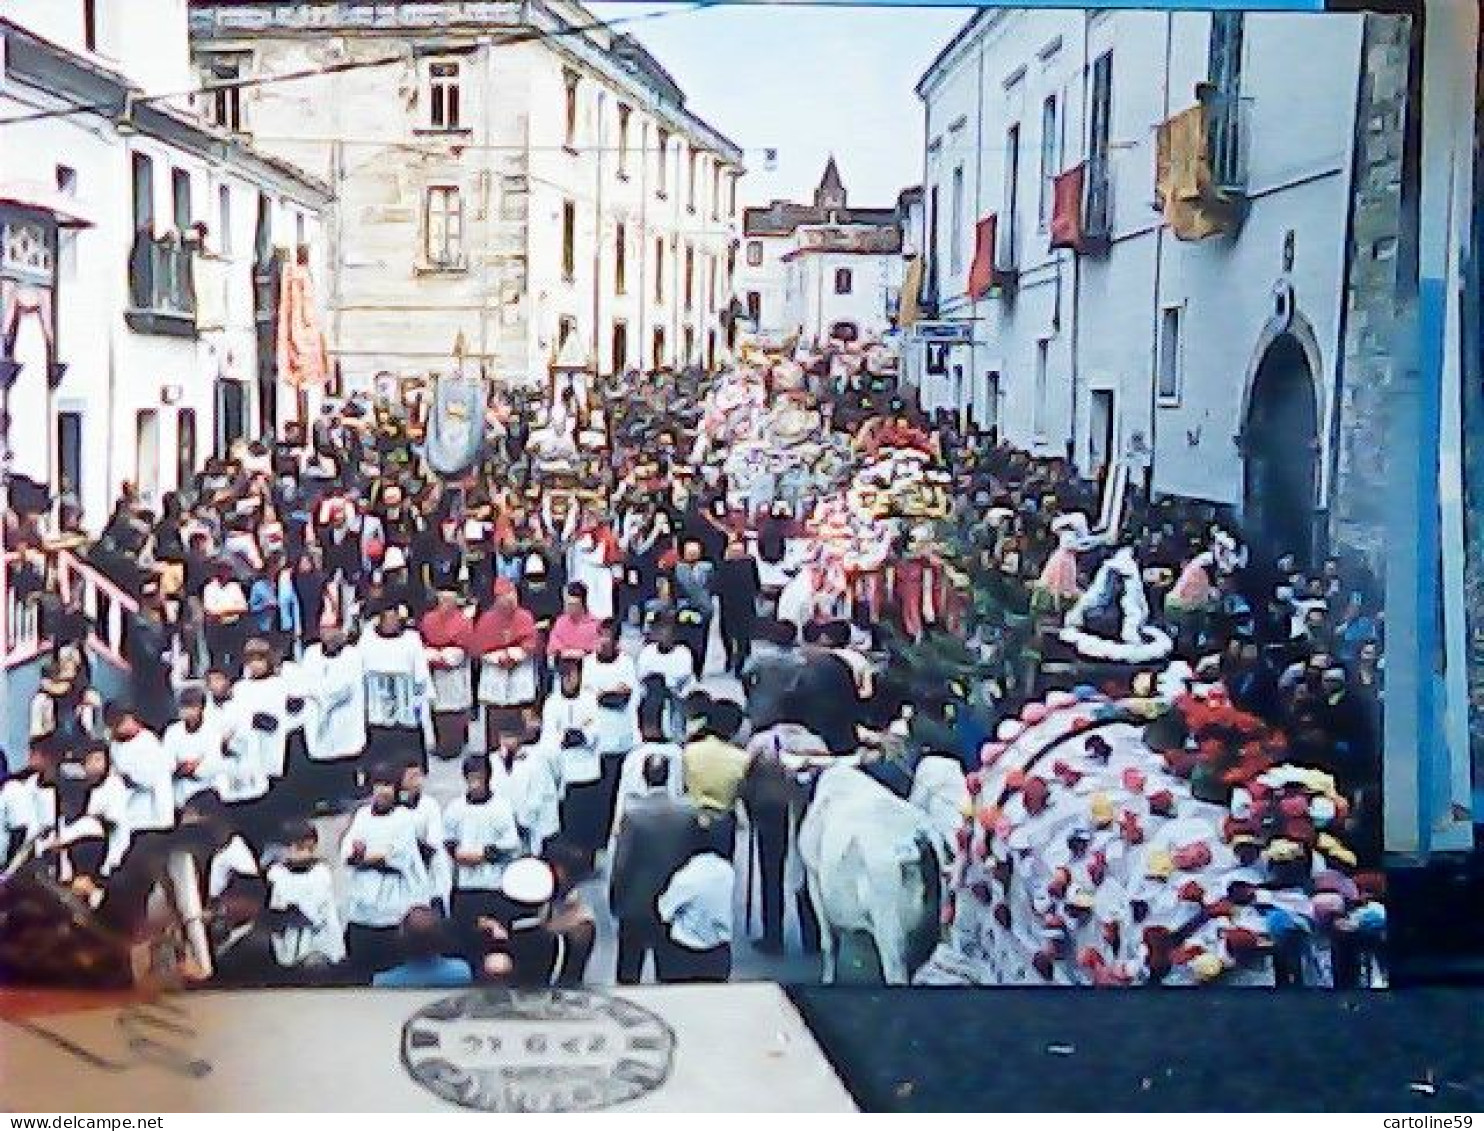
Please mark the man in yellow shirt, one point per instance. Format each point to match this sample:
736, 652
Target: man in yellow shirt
714, 767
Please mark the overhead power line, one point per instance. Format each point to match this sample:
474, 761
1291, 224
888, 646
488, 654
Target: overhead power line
505, 39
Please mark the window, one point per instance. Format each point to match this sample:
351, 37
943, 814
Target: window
1099, 196
661, 163
732, 194
300, 237
1050, 158
711, 350
937, 358
224, 219
711, 282
444, 94
90, 24
566, 327
754, 253
930, 276
620, 347
147, 453
690, 345
956, 225
690, 281
658, 349
69, 452
624, 114
1224, 98
262, 232
180, 196
571, 78
731, 262
569, 240
444, 225
690, 181
185, 465
716, 190
1012, 198
621, 261
1169, 354
659, 270
843, 281
224, 95
1038, 408
755, 307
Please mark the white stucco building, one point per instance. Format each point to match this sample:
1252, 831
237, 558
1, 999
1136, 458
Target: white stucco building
1209, 363
137, 277
500, 176
813, 269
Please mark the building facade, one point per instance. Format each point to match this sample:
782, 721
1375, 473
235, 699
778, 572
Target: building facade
505, 171
1136, 231
141, 249
815, 269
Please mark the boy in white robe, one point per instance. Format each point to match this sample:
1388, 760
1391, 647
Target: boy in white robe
335, 729
146, 770
398, 689
569, 726
262, 695
481, 836
437, 869
530, 778
380, 848
307, 931
664, 657
90, 836
194, 746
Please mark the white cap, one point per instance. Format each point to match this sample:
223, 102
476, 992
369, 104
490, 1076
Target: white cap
529, 881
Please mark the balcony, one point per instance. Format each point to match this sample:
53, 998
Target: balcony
162, 298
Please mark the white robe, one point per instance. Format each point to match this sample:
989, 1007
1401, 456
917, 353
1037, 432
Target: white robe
234, 858
453, 688
203, 746
312, 892
437, 871
148, 773
377, 898
585, 564
580, 764
336, 686
533, 786
478, 826
26, 808
617, 727
242, 776
397, 679
264, 699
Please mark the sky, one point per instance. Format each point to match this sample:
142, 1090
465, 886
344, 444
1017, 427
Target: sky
808, 82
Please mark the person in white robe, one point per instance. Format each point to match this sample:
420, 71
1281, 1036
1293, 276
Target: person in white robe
145, 769
194, 745
380, 850
529, 776
437, 869
307, 931
262, 697
665, 658
398, 688
90, 833
481, 836
334, 679
569, 724
588, 561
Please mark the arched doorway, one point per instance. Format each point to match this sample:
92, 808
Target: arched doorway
1281, 448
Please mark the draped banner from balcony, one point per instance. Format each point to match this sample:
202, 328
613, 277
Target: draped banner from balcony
1184, 187
910, 311
302, 359
1066, 208
982, 273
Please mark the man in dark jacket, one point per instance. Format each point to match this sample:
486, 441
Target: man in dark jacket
654, 840
737, 587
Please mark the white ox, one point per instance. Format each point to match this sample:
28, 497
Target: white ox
876, 864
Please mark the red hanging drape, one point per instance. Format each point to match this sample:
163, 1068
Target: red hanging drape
982, 273
1066, 208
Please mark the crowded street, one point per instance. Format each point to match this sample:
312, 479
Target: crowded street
512, 533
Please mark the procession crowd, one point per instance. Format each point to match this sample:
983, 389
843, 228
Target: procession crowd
320, 617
